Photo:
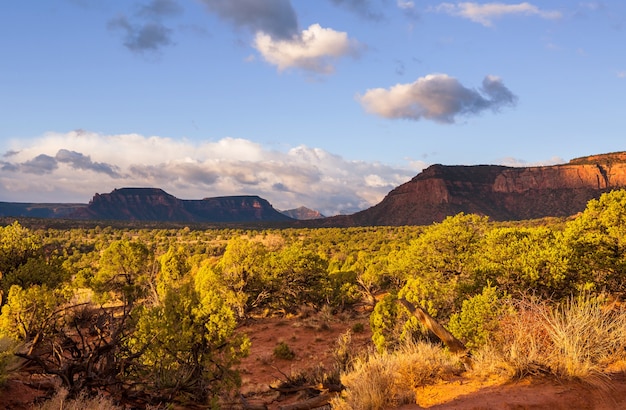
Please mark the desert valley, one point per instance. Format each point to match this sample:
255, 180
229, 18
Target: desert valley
465, 288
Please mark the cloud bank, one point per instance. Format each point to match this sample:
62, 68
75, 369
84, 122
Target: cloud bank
485, 13
71, 167
436, 97
313, 50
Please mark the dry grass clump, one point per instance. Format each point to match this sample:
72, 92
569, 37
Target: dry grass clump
61, 401
575, 340
585, 337
384, 380
6, 357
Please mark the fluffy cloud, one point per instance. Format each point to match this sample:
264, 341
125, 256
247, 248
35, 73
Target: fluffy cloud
437, 97
486, 13
274, 17
72, 167
312, 50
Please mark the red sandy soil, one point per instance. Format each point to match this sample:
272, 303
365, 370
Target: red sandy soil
314, 339
523, 395
314, 344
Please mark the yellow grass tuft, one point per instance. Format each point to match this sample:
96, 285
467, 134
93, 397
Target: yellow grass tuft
384, 380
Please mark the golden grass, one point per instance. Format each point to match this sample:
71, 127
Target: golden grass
580, 339
575, 340
60, 402
384, 380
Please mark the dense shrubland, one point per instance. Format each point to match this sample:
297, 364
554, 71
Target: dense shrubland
151, 316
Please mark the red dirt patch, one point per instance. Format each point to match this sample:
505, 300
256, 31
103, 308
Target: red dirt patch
523, 395
313, 339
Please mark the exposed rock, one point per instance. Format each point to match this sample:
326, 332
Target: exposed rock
153, 204
302, 213
502, 193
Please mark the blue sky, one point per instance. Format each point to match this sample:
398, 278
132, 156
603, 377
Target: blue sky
328, 104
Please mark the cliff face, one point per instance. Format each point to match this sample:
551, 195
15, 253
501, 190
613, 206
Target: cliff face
502, 193
302, 213
152, 204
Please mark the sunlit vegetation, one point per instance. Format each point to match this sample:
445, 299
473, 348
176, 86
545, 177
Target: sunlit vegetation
150, 316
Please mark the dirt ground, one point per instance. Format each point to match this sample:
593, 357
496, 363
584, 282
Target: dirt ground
313, 340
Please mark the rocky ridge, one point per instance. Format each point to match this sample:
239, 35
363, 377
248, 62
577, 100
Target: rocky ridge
153, 204
500, 192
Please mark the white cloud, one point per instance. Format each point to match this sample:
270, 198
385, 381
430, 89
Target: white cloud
406, 5
486, 13
437, 97
313, 50
72, 167
516, 162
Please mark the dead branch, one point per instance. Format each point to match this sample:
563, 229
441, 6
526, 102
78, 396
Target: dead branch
454, 344
313, 403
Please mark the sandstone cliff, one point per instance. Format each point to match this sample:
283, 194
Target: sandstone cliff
153, 204
502, 193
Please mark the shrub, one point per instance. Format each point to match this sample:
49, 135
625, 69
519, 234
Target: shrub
283, 351
478, 318
358, 327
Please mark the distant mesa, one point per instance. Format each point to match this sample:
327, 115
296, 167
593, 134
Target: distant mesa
500, 192
303, 213
153, 204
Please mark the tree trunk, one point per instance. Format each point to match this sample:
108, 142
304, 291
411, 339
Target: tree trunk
309, 404
454, 344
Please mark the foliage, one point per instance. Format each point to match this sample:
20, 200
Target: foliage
517, 259
597, 243
30, 312
447, 248
17, 245
341, 289
238, 276
36, 271
125, 272
188, 346
174, 269
585, 336
478, 318
392, 324
297, 278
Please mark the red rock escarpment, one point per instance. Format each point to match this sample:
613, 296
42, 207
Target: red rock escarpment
502, 193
